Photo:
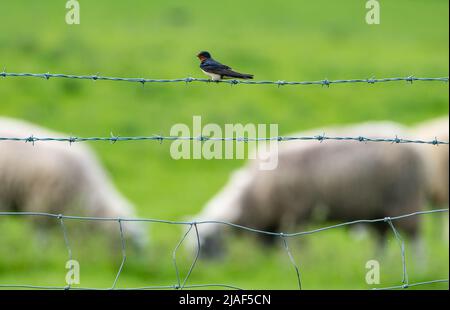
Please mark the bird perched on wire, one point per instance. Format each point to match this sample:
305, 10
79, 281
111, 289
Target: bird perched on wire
218, 71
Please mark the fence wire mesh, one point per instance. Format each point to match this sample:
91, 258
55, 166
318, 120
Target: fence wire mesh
182, 283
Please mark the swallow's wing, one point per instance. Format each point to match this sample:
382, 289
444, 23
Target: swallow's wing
213, 66
222, 71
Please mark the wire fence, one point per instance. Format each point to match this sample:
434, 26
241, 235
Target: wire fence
143, 81
113, 139
182, 282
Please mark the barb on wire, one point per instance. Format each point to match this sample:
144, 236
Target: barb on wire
113, 139
194, 224
143, 81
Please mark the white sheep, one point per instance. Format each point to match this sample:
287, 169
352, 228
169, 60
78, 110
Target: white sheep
59, 178
436, 159
333, 180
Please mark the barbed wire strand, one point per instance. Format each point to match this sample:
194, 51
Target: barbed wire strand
194, 224
143, 81
113, 139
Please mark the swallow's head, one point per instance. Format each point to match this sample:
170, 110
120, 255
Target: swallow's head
203, 55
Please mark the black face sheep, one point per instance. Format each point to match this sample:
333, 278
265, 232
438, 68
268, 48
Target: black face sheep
343, 181
55, 177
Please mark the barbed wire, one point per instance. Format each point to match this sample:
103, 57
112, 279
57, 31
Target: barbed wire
193, 225
113, 139
144, 81
182, 282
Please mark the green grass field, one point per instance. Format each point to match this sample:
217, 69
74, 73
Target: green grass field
275, 40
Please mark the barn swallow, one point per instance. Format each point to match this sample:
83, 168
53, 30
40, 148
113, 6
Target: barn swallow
216, 70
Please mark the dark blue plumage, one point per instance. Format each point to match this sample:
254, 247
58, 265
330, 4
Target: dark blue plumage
218, 71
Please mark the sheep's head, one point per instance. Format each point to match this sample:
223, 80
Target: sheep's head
209, 242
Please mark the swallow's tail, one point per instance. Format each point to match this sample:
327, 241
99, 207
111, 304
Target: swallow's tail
233, 74
247, 76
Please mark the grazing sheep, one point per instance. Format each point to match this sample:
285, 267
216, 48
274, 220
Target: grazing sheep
59, 178
436, 159
341, 181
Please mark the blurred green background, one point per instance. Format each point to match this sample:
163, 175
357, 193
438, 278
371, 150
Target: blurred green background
274, 40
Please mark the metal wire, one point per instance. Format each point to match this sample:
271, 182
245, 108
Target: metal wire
412, 284
143, 81
183, 284
194, 224
401, 243
67, 244
197, 254
174, 256
292, 259
124, 253
113, 139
